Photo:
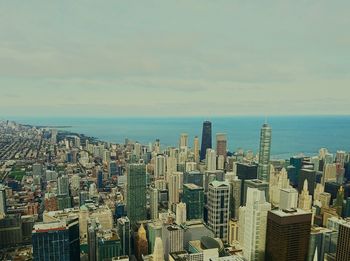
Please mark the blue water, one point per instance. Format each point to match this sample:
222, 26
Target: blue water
290, 135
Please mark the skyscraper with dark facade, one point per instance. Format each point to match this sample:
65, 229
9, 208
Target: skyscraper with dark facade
193, 196
264, 153
206, 139
136, 191
288, 235
343, 247
56, 241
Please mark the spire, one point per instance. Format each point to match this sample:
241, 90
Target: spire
158, 253
305, 188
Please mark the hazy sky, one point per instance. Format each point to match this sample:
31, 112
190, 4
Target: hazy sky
179, 57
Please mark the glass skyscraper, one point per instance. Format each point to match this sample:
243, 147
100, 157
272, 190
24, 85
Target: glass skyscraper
136, 193
56, 241
264, 153
206, 139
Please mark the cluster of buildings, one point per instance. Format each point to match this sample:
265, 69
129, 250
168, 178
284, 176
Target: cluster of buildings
91, 200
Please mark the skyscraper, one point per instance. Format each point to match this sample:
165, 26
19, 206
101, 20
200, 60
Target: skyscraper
158, 253
183, 140
193, 197
2, 200
219, 208
343, 246
180, 213
141, 243
288, 235
305, 200
221, 144
196, 149
235, 193
154, 203
136, 191
254, 219
56, 240
63, 185
211, 159
124, 232
206, 139
264, 153
159, 170
173, 187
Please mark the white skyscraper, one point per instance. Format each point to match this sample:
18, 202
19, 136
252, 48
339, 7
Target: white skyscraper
211, 159
288, 198
221, 162
305, 200
254, 218
278, 181
159, 170
154, 203
329, 173
219, 208
158, 253
180, 213
173, 187
264, 153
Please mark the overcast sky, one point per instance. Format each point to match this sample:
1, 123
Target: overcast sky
180, 57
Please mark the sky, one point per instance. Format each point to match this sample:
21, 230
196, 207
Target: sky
174, 58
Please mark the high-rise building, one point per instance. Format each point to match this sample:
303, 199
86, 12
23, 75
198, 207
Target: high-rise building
339, 202
206, 139
2, 201
193, 197
196, 149
92, 239
175, 239
154, 203
254, 218
343, 246
136, 191
158, 253
310, 176
235, 193
221, 144
211, 159
183, 140
219, 208
154, 230
173, 187
141, 243
160, 167
264, 153
305, 199
255, 183
56, 240
124, 232
288, 198
288, 235
180, 213
63, 185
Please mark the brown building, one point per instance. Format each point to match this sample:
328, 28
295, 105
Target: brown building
288, 235
221, 144
343, 246
141, 243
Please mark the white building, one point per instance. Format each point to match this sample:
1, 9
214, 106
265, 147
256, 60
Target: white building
211, 159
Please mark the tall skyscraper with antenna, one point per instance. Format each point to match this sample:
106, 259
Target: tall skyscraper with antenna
206, 139
264, 153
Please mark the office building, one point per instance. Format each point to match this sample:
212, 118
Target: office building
258, 184
154, 230
136, 191
254, 220
154, 202
343, 246
183, 140
194, 177
310, 176
221, 144
158, 252
124, 232
141, 243
288, 235
219, 208
193, 197
211, 159
206, 139
180, 213
160, 167
2, 201
63, 185
288, 198
56, 240
235, 193
173, 188
196, 149
264, 153
305, 199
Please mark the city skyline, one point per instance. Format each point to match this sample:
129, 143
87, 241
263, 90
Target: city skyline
174, 59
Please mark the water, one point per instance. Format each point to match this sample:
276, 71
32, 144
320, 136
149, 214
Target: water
290, 135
